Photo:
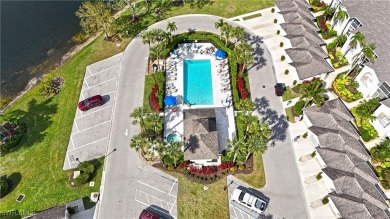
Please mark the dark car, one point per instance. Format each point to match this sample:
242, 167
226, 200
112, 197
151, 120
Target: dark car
91, 102
145, 214
279, 89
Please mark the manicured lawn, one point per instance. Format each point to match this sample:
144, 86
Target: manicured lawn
289, 94
36, 165
290, 114
225, 8
193, 202
149, 82
257, 177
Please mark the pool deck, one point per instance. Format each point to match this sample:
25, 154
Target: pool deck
173, 121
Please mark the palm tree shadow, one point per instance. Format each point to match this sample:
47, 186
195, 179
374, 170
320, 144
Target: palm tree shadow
192, 144
278, 123
257, 51
37, 117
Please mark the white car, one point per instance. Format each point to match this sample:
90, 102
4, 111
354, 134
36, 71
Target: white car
245, 198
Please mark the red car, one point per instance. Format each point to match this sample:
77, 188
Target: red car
145, 214
91, 102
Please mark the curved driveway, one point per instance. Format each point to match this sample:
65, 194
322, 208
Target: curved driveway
123, 168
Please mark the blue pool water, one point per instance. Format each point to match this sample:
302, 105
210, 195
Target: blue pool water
173, 137
198, 88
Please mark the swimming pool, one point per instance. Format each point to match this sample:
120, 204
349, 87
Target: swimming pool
198, 88
173, 137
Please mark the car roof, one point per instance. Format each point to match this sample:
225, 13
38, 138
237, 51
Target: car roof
145, 214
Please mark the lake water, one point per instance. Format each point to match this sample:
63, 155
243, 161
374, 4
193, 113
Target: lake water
31, 33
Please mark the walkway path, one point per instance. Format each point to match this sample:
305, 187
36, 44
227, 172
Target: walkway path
123, 168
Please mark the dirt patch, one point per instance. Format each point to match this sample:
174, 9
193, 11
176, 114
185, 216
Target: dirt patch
231, 8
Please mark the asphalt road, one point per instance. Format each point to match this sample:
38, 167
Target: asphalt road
123, 167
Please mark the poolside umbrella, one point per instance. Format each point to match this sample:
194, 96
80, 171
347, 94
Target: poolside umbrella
220, 54
170, 100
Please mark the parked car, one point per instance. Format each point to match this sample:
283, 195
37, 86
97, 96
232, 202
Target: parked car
279, 89
249, 200
145, 214
91, 102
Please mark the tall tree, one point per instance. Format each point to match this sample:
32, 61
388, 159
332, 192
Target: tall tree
171, 26
339, 16
248, 121
313, 92
356, 39
147, 38
95, 16
381, 152
139, 143
154, 121
247, 106
243, 55
174, 150
138, 116
366, 52
239, 34
236, 146
366, 108
340, 40
227, 31
328, 11
156, 52
218, 25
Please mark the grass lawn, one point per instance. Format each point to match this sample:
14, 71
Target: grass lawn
193, 202
36, 165
290, 115
225, 8
289, 94
252, 16
257, 177
149, 82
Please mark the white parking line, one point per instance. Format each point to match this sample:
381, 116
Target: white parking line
93, 112
87, 144
103, 70
72, 142
90, 73
92, 127
174, 203
151, 186
172, 186
101, 83
153, 208
78, 130
86, 83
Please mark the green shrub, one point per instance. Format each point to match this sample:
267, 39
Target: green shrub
82, 179
170, 167
16, 138
286, 72
281, 44
49, 87
332, 33
295, 82
319, 176
305, 135
331, 46
278, 32
339, 87
241, 167
298, 107
275, 20
167, 160
313, 154
86, 167
365, 135
272, 10
282, 57
325, 200
4, 186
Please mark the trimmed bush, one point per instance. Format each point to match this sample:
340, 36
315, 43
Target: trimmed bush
241, 167
365, 135
313, 154
340, 88
295, 82
286, 72
234, 168
16, 138
282, 57
50, 87
281, 44
298, 107
272, 10
325, 200
167, 160
319, 176
86, 167
305, 135
82, 179
278, 32
275, 20
170, 167
4, 186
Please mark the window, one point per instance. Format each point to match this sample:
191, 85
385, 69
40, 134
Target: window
367, 77
384, 120
382, 92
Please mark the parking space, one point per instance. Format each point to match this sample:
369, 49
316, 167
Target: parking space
156, 192
91, 129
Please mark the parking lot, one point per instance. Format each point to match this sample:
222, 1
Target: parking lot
157, 192
236, 210
91, 129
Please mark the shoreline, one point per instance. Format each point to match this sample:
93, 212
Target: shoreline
72, 52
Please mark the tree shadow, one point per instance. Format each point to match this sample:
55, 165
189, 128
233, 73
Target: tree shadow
257, 51
191, 144
13, 181
278, 123
196, 4
37, 118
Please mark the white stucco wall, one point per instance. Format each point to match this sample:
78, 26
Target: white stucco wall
371, 85
328, 182
382, 131
207, 162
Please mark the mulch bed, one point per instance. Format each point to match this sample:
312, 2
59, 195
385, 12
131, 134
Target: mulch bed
248, 170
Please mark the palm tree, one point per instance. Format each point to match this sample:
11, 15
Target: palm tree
356, 39
339, 16
243, 55
313, 91
95, 16
174, 150
239, 34
246, 105
236, 146
340, 40
155, 121
138, 142
138, 116
366, 108
156, 52
218, 25
147, 38
248, 122
227, 30
328, 11
158, 35
366, 52
259, 136
171, 27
